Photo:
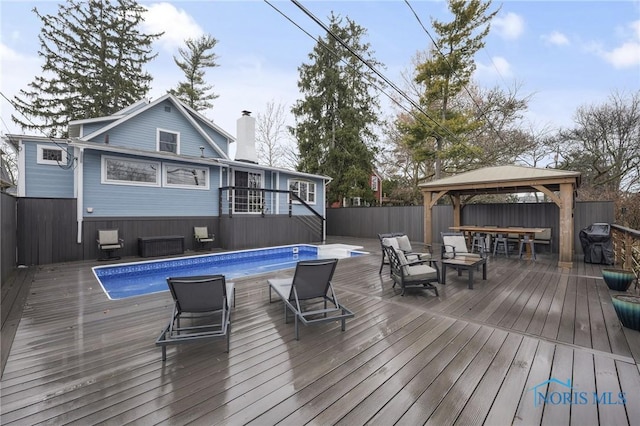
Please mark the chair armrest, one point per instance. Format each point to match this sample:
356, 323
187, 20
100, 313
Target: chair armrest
418, 262
444, 251
427, 247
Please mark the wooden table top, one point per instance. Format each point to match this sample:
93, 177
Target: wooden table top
491, 229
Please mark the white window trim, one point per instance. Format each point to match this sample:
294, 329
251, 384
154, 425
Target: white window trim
40, 160
308, 182
104, 180
172, 185
158, 130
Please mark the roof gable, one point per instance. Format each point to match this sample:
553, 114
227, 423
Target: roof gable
188, 114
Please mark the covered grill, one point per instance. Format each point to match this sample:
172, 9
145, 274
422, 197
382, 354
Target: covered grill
596, 244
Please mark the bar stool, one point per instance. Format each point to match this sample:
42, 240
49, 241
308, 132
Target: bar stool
501, 239
523, 244
479, 239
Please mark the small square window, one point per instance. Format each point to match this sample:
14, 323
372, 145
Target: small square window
168, 141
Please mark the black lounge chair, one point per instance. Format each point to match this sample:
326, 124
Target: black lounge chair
310, 286
414, 274
109, 241
202, 301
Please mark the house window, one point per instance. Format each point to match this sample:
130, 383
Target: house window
304, 189
130, 172
374, 183
168, 141
247, 200
51, 155
185, 177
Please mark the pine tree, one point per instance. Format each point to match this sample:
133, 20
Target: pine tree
195, 60
94, 56
444, 75
335, 122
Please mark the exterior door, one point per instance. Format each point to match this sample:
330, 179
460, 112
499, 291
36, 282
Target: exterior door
247, 200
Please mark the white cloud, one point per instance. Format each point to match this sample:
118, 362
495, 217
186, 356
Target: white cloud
624, 56
556, 38
176, 24
627, 54
510, 26
498, 68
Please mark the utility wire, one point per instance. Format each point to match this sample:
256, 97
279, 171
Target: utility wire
326, 47
365, 62
451, 69
372, 68
64, 148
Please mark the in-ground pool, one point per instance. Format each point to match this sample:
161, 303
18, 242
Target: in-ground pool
138, 278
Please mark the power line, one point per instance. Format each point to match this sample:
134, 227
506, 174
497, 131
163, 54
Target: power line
368, 64
372, 68
326, 47
452, 70
68, 165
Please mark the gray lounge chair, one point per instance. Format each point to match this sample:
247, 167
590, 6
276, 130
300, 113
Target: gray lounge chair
205, 303
310, 286
415, 274
109, 241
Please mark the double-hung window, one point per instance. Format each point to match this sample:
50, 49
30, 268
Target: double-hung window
168, 141
304, 189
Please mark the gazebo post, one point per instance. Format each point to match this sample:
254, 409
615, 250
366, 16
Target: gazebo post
566, 225
428, 215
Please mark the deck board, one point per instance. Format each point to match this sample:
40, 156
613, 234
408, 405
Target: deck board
466, 357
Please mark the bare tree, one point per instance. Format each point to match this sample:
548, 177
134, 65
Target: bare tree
605, 143
274, 146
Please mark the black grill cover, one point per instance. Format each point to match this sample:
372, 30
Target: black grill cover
596, 244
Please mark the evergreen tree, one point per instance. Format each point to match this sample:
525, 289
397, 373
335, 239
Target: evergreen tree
94, 55
195, 60
335, 122
445, 75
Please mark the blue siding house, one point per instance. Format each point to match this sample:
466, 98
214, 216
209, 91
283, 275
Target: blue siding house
161, 161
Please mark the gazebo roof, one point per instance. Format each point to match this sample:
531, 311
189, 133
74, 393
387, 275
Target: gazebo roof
503, 179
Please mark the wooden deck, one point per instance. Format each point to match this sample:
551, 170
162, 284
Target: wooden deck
465, 357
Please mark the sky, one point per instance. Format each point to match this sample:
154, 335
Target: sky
563, 54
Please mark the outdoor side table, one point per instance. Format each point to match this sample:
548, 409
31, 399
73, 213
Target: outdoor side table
470, 264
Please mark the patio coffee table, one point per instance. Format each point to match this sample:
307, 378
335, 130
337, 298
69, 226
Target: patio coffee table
464, 263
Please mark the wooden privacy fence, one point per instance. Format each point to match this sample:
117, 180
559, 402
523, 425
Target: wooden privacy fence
367, 222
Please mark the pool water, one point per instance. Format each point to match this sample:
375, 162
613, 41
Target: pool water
139, 278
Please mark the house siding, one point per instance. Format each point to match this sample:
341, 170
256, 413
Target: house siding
140, 132
46, 180
88, 128
297, 208
129, 200
219, 139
